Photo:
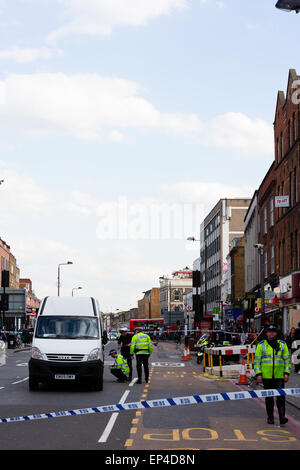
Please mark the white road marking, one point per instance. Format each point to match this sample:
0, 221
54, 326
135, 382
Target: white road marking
19, 381
112, 420
133, 382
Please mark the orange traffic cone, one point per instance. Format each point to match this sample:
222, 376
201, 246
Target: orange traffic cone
188, 355
184, 356
243, 377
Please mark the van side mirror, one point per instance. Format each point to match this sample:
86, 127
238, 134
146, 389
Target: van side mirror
104, 337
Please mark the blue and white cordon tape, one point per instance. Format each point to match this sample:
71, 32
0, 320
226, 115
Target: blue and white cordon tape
160, 403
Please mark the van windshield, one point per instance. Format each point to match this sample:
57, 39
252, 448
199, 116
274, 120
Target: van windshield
67, 327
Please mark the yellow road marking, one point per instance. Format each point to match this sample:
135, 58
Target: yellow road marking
129, 443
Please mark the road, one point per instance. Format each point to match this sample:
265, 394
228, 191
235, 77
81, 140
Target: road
225, 425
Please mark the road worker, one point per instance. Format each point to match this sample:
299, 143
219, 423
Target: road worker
142, 346
272, 367
120, 369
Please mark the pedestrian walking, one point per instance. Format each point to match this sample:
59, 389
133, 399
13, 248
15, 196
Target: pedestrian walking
124, 342
297, 332
120, 369
290, 338
272, 367
142, 347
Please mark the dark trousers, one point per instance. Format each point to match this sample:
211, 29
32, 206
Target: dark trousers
119, 374
142, 360
280, 401
128, 358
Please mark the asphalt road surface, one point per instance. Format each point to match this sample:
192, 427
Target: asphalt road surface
239, 425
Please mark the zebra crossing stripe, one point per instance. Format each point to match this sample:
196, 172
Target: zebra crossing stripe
160, 403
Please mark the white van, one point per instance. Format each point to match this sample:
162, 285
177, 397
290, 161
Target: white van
68, 343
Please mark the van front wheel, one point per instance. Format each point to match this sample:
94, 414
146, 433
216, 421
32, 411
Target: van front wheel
98, 385
33, 384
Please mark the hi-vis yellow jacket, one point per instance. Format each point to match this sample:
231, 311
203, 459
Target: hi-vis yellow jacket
141, 344
272, 364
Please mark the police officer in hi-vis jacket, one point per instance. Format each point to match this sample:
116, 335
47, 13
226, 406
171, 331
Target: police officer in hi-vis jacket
142, 346
272, 367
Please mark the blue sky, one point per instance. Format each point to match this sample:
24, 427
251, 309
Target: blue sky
162, 102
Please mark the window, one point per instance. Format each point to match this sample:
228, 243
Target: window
291, 194
176, 295
281, 145
295, 186
296, 250
283, 257
266, 263
272, 260
271, 211
265, 220
292, 252
290, 133
294, 127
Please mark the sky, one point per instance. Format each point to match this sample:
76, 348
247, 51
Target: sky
122, 123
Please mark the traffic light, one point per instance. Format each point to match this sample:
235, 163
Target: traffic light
4, 302
196, 278
198, 307
251, 308
5, 279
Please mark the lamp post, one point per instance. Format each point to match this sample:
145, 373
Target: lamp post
260, 248
58, 275
75, 288
193, 239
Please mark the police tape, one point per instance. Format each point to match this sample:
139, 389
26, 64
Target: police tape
160, 403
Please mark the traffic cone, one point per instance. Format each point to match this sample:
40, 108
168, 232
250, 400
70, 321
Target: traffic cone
243, 377
184, 356
188, 355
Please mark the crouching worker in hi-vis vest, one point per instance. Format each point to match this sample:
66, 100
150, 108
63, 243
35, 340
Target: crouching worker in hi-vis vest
120, 369
272, 366
142, 346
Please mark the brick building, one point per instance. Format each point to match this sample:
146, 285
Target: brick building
14, 273
149, 306
4, 257
279, 230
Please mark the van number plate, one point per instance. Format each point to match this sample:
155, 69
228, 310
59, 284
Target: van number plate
64, 377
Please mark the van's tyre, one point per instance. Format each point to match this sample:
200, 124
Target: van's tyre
98, 385
33, 384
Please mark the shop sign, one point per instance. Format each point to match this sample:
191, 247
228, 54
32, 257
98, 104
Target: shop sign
282, 201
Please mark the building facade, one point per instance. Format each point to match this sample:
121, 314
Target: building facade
149, 306
14, 273
173, 288
224, 223
279, 208
4, 257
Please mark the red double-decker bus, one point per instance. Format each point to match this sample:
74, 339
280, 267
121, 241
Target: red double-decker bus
148, 324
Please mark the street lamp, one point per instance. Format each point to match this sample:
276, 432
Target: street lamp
260, 248
75, 288
58, 275
193, 239
288, 5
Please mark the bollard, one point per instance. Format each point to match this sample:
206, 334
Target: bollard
220, 363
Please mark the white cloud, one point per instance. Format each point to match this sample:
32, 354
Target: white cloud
100, 17
236, 130
23, 55
89, 106
205, 193
86, 106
